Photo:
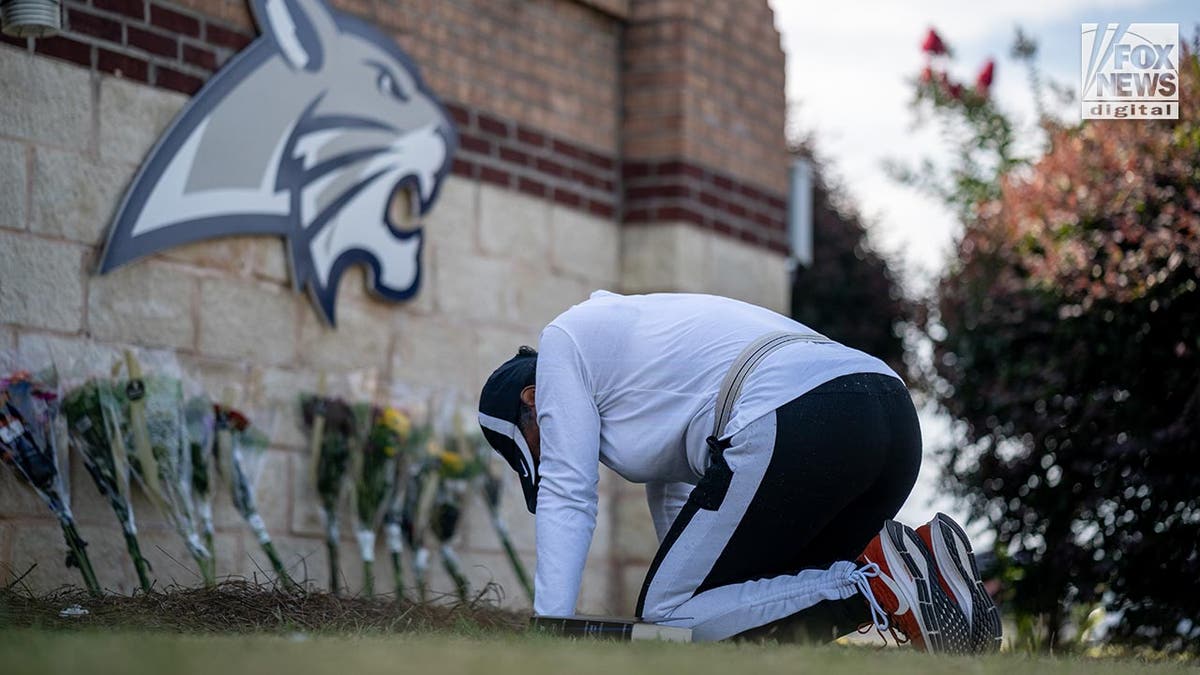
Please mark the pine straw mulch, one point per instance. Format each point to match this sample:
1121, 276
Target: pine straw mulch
239, 606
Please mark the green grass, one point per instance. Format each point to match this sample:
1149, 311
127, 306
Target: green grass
33, 651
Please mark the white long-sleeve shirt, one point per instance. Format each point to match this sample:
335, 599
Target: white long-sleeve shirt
631, 381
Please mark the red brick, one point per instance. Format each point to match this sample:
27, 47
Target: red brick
155, 43
474, 144
675, 212
530, 137
460, 115
636, 169
600, 161
168, 78
130, 67
722, 182
598, 208
572, 151
64, 48
7, 39
638, 216
464, 168
493, 175
551, 167
531, 187
199, 57
566, 197
515, 156
223, 37
131, 8
722, 227
679, 168
750, 192
492, 125
87, 23
711, 201
661, 191
174, 22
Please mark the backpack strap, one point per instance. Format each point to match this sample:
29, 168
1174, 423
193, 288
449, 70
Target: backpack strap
743, 365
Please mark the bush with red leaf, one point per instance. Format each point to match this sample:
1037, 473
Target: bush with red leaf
1066, 339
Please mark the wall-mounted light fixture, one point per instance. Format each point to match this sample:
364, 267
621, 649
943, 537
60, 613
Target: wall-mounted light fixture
30, 18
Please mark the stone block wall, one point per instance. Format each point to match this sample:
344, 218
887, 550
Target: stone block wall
551, 196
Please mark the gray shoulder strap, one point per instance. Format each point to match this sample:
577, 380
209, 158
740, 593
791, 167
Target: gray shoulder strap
746, 362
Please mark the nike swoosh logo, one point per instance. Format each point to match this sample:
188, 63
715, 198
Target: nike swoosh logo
901, 603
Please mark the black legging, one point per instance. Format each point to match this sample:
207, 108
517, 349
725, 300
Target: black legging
846, 457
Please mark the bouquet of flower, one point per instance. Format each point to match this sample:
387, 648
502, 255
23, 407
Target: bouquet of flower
332, 431
419, 490
240, 448
199, 416
396, 530
161, 458
96, 431
492, 487
457, 465
375, 482
28, 444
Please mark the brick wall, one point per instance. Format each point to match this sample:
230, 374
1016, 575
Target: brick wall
704, 83
529, 222
534, 88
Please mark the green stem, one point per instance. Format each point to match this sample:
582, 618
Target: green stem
268, 547
331, 548
515, 561
398, 573
369, 578
139, 563
450, 564
79, 554
207, 537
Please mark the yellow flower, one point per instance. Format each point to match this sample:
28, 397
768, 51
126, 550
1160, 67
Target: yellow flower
396, 422
452, 462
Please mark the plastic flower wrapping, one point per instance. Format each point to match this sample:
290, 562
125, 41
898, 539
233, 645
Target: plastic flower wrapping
200, 418
96, 431
160, 454
240, 451
375, 481
29, 409
333, 432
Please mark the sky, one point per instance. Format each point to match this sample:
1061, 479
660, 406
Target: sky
850, 66
850, 71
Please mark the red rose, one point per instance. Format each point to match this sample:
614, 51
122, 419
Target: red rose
926, 75
984, 80
933, 44
955, 91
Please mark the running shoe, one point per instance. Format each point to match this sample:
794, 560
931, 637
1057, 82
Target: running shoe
906, 589
959, 577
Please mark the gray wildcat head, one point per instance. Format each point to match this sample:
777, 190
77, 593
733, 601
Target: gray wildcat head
307, 134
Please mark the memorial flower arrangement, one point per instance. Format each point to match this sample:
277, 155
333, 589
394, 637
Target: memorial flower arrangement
492, 489
375, 482
96, 431
28, 444
333, 432
201, 420
161, 458
240, 448
395, 527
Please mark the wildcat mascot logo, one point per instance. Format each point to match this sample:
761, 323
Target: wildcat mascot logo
307, 134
